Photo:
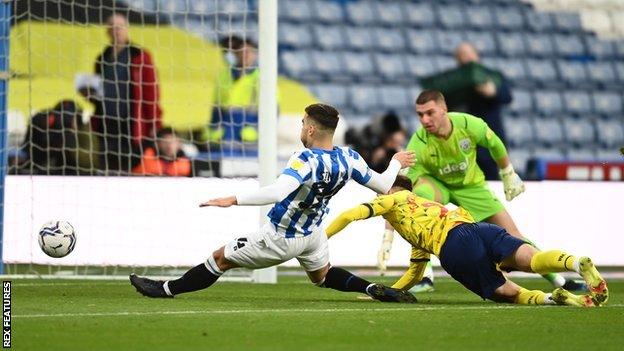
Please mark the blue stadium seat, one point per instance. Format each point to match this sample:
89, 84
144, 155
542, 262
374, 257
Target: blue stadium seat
539, 45
508, 17
569, 45
619, 69
328, 63
174, 7
295, 35
391, 67
296, 64
448, 40
359, 38
581, 154
607, 103
389, 12
245, 28
548, 102
394, 97
444, 63
421, 41
610, 154
483, 41
419, 14
572, 72
326, 11
144, 5
519, 131
522, 101
538, 21
329, 37
333, 94
548, 153
233, 7
548, 132
420, 66
359, 64
610, 133
292, 10
510, 44
519, 158
599, 49
577, 102
602, 73
451, 16
579, 132
363, 98
567, 22
390, 39
542, 71
479, 17
360, 12
514, 69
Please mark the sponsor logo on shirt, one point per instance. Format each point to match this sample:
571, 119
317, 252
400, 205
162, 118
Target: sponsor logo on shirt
454, 167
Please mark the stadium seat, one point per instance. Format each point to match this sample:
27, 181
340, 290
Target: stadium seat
391, 67
581, 154
579, 132
483, 41
363, 98
419, 14
539, 45
239, 8
508, 17
479, 17
599, 49
602, 73
547, 102
329, 64
610, 154
360, 12
542, 71
359, 38
607, 103
548, 153
444, 63
144, 5
519, 131
539, 21
577, 102
510, 44
172, 7
329, 37
359, 64
391, 40
421, 41
326, 11
293, 10
572, 72
295, 36
245, 28
334, 94
567, 45
522, 101
451, 16
568, 22
420, 66
393, 97
515, 70
519, 158
296, 63
389, 12
619, 48
619, 69
610, 133
448, 40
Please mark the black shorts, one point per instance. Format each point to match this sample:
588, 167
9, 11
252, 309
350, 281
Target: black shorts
471, 252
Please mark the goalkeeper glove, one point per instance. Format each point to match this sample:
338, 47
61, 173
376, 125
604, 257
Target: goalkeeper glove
512, 183
384, 252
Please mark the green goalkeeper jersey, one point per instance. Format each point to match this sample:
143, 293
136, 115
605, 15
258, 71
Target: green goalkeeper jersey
453, 161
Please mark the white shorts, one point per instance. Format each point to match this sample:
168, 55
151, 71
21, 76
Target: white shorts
267, 248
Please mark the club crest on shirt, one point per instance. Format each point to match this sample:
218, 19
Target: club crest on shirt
465, 145
326, 177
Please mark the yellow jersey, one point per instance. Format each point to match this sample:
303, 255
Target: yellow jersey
421, 222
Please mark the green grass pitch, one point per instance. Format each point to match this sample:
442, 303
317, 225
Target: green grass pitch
295, 315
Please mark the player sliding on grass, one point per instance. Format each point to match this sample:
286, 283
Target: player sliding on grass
470, 251
446, 171
300, 196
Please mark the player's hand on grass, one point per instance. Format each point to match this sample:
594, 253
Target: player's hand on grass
512, 184
406, 158
384, 252
220, 202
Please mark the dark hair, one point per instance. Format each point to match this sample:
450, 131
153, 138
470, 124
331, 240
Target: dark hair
429, 95
164, 132
402, 182
235, 43
323, 114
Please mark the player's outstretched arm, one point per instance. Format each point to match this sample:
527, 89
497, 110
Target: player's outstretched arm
416, 270
270, 194
381, 183
378, 207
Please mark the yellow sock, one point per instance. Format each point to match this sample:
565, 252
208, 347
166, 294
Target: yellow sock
531, 297
552, 261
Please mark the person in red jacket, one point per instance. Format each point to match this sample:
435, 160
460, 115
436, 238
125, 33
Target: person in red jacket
167, 159
128, 114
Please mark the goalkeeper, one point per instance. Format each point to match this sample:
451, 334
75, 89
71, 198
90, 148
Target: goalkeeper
446, 171
470, 252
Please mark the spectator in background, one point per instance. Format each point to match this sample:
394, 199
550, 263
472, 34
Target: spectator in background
130, 112
379, 140
485, 100
166, 159
50, 145
241, 55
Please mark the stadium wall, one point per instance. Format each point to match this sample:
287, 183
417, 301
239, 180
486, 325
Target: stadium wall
157, 221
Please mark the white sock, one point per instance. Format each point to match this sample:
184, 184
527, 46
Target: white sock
559, 280
548, 300
576, 266
368, 287
166, 287
428, 271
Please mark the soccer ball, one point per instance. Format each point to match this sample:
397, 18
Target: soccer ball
57, 238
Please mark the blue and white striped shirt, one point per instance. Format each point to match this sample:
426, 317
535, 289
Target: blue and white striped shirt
320, 174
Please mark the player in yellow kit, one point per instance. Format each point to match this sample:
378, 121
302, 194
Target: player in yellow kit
470, 252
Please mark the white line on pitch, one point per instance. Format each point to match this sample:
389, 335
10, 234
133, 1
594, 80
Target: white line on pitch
285, 311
